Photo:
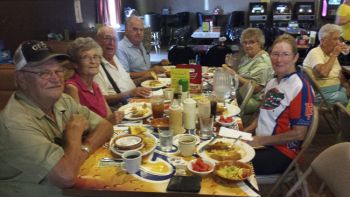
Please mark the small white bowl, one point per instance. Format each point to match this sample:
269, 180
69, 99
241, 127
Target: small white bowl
210, 163
226, 124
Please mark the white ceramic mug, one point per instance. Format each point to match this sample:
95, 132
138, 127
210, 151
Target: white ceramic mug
131, 161
187, 144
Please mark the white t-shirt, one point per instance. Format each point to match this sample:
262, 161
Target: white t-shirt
119, 75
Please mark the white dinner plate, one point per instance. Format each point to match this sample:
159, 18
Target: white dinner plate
231, 110
147, 84
247, 152
127, 109
149, 144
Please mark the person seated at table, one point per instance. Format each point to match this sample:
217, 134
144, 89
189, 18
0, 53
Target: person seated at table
85, 53
117, 86
45, 135
255, 64
325, 65
132, 53
285, 113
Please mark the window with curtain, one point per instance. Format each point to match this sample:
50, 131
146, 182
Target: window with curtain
109, 12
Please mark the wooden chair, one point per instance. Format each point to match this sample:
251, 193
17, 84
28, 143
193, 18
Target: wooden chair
293, 171
326, 109
343, 115
244, 93
331, 166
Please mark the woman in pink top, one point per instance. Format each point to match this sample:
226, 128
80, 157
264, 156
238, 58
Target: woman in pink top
86, 55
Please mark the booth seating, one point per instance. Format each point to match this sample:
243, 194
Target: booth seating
7, 83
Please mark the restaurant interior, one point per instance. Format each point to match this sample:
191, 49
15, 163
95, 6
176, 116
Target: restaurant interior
174, 26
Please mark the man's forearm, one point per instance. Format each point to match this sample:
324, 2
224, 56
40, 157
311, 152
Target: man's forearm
99, 135
139, 77
116, 98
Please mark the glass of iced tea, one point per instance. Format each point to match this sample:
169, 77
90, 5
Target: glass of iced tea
157, 103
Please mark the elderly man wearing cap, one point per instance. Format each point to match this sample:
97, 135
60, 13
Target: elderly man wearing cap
45, 136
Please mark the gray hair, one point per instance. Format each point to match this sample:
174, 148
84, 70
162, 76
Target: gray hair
253, 33
82, 44
101, 31
132, 18
328, 29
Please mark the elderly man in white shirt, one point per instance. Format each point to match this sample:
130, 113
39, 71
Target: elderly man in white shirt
123, 87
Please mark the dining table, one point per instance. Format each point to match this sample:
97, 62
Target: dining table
213, 33
103, 173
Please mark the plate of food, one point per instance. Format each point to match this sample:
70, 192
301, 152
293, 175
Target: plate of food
149, 143
222, 149
233, 171
136, 111
153, 84
228, 110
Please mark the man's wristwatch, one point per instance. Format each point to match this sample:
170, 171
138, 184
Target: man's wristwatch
85, 149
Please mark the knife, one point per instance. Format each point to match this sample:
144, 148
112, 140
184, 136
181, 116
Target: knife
207, 145
251, 186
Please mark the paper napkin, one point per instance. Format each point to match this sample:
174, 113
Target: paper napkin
232, 133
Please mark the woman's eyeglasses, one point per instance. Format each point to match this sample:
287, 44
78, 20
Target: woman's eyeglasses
90, 58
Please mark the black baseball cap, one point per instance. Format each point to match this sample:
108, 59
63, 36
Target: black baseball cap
34, 53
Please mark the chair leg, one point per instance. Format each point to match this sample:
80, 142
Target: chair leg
299, 182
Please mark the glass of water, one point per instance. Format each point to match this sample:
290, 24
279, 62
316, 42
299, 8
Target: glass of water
165, 139
206, 127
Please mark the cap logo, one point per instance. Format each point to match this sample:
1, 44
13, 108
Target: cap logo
39, 46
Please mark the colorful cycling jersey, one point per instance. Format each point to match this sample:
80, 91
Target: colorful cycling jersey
286, 103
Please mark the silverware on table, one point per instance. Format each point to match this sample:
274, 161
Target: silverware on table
107, 159
251, 186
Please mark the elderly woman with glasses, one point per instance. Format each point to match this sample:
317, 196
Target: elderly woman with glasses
255, 64
325, 65
285, 112
86, 54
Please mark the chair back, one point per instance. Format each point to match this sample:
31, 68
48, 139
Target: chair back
305, 145
236, 19
215, 56
343, 115
324, 105
332, 167
310, 75
179, 54
245, 92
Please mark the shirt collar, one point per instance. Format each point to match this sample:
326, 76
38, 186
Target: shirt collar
58, 107
128, 43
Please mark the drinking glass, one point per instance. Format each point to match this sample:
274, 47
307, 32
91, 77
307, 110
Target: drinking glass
157, 103
222, 85
206, 127
165, 139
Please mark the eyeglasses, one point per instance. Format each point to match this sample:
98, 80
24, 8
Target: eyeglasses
282, 55
90, 58
249, 42
108, 39
46, 74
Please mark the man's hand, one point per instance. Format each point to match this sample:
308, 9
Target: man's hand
257, 141
75, 128
118, 116
141, 92
158, 69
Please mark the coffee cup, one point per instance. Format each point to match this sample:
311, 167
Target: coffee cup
187, 144
131, 161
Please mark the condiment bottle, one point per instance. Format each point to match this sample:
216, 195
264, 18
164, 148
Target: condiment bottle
175, 118
189, 106
184, 93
